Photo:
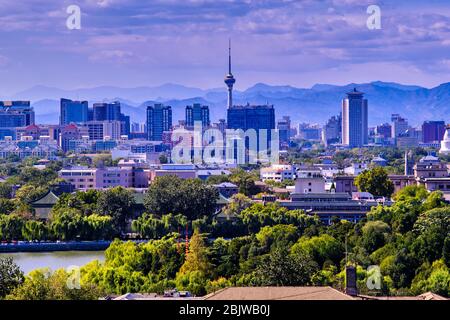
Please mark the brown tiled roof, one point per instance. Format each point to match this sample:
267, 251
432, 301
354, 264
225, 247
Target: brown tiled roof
278, 293
423, 296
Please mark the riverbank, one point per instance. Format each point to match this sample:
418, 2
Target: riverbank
56, 246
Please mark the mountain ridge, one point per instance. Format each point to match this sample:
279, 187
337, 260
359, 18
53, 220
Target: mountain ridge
315, 104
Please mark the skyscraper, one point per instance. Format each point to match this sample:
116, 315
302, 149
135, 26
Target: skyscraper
229, 78
111, 112
251, 117
107, 111
248, 117
73, 111
256, 117
332, 130
159, 119
384, 130
284, 131
433, 131
195, 113
16, 114
355, 120
399, 125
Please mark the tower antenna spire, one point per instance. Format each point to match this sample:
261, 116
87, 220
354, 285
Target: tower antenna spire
229, 55
229, 79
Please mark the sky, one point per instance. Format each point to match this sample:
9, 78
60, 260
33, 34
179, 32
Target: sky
131, 43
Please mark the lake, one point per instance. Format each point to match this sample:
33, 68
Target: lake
29, 261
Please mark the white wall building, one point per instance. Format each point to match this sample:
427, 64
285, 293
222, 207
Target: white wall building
355, 169
277, 172
309, 180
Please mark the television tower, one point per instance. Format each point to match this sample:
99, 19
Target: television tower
229, 79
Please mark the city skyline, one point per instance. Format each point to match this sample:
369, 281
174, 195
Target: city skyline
311, 42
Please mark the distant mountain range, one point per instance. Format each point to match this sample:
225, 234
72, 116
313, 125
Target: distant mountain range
315, 104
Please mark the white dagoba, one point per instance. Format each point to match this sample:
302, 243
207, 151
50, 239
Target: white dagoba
445, 143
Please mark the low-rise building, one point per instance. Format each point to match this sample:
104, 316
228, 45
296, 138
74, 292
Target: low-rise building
309, 180
127, 176
183, 171
355, 169
227, 189
277, 172
330, 205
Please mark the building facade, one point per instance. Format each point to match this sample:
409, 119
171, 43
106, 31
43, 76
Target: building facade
159, 119
197, 113
433, 131
73, 112
355, 120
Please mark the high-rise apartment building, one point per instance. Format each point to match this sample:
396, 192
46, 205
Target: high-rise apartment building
159, 119
384, 130
73, 112
433, 131
197, 113
107, 111
16, 114
284, 131
332, 130
355, 120
251, 117
111, 112
399, 125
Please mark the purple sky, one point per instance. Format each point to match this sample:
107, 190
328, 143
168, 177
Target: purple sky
146, 43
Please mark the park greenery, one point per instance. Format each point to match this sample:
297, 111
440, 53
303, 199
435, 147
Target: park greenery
409, 241
376, 182
247, 244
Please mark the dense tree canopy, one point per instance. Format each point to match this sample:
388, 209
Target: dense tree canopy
376, 182
11, 276
189, 197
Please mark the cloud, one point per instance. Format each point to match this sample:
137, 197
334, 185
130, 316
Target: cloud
278, 36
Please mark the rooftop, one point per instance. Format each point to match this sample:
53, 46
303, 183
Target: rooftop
278, 293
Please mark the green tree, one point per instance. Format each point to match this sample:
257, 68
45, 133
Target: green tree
238, 203
34, 230
374, 235
5, 190
96, 227
431, 229
66, 224
117, 203
319, 248
197, 258
10, 276
281, 269
6, 206
376, 182
245, 181
41, 284
11, 227
28, 193
189, 197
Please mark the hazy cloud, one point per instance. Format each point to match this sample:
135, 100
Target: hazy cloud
168, 39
